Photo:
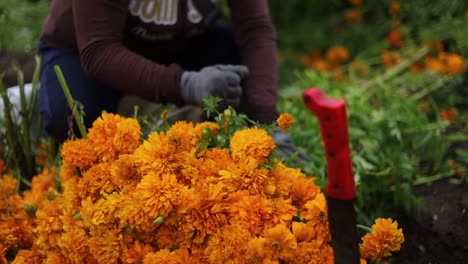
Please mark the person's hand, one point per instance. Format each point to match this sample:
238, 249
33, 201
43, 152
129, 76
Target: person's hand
286, 148
223, 81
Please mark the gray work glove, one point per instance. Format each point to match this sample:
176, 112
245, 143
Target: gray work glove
223, 81
286, 148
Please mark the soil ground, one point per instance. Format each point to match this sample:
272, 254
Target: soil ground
438, 235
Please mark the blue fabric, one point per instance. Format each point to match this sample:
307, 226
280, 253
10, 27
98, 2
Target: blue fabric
216, 46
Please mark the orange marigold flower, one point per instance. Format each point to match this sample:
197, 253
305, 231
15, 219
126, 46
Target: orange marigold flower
95, 181
182, 136
178, 256
49, 224
258, 252
252, 142
303, 190
74, 244
316, 212
389, 58
455, 63
124, 173
55, 257
337, 55
78, 153
395, 8
3, 252
244, 175
154, 155
285, 121
281, 240
382, 241
448, 114
106, 246
8, 185
417, 67
112, 135
395, 37
135, 253
312, 252
250, 210
157, 194
356, 2
360, 67
208, 216
353, 15
302, 232
435, 64
28, 257
228, 245
283, 178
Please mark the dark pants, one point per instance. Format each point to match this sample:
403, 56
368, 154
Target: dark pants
216, 46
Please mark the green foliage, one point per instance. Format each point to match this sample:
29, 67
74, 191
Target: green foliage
393, 143
21, 22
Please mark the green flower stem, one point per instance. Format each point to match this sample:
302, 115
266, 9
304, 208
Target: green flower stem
365, 228
432, 88
78, 117
435, 177
399, 68
25, 139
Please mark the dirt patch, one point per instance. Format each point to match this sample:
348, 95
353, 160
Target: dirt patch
439, 234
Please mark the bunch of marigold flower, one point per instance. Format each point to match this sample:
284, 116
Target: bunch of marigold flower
177, 197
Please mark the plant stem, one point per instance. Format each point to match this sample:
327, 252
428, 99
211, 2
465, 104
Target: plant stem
399, 68
435, 86
366, 228
435, 177
78, 117
25, 138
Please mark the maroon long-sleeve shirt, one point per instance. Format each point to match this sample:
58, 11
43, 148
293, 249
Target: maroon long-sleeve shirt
103, 31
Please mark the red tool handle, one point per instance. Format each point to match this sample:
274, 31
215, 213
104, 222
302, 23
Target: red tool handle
331, 114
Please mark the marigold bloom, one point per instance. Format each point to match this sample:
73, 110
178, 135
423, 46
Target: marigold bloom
178, 256
382, 241
281, 240
208, 216
356, 2
112, 135
154, 155
28, 257
389, 58
353, 15
228, 245
435, 64
448, 114
283, 178
252, 142
78, 153
285, 121
135, 253
313, 252
394, 8
316, 213
157, 194
250, 210
303, 190
455, 64
73, 244
49, 224
395, 37
245, 175
337, 55
96, 180
106, 246
258, 252
8, 185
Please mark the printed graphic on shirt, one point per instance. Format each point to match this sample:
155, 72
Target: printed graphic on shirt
159, 12
162, 12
